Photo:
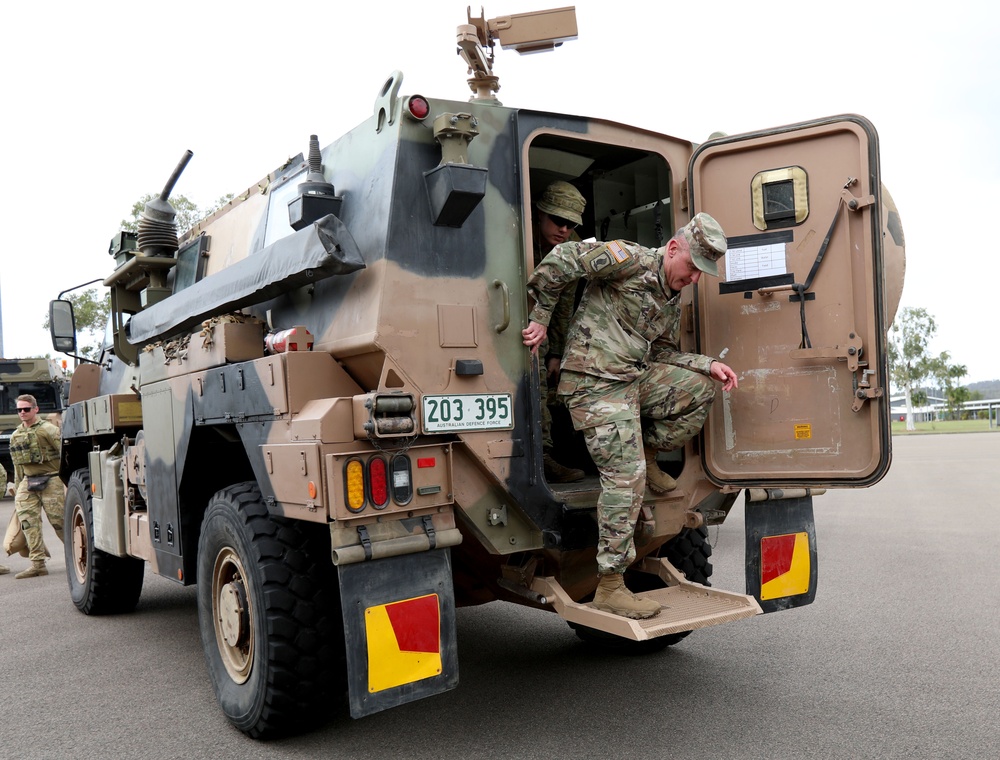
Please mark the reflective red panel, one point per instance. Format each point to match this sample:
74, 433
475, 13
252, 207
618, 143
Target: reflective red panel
775, 556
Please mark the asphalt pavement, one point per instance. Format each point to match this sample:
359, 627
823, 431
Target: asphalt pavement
899, 657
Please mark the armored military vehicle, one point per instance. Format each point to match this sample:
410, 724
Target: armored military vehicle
318, 408
44, 379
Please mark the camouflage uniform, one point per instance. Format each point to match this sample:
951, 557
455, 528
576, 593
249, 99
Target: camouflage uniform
623, 362
563, 200
553, 345
35, 451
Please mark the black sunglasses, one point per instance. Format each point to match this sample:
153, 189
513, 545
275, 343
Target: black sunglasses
24, 409
558, 221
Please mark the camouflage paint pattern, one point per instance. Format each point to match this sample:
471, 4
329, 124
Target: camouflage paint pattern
431, 298
443, 227
423, 285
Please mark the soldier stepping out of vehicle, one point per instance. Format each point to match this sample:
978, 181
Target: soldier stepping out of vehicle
622, 362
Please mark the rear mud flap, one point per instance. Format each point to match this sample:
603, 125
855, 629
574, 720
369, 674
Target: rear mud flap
781, 559
685, 606
399, 627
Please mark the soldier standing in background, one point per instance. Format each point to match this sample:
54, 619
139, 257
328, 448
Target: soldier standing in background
623, 362
34, 449
558, 212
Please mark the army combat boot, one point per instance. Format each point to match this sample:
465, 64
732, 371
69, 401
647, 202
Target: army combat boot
557, 473
612, 596
657, 479
37, 568
4, 569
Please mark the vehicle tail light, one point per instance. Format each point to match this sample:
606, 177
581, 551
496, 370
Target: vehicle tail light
354, 485
402, 479
378, 482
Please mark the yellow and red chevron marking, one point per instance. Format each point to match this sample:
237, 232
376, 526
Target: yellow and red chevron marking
784, 565
404, 642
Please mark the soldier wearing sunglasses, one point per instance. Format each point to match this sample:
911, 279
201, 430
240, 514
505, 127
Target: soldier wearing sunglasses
34, 449
558, 212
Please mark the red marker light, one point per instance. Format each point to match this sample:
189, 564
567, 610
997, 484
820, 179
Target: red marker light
378, 478
418, 107
426, 462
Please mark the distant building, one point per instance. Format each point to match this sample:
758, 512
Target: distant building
936, 408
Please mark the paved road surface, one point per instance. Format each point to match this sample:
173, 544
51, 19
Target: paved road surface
898, 658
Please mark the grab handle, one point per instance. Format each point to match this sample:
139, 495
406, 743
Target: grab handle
505, 293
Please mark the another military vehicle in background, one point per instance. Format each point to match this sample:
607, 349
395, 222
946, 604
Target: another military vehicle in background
317, 405
45, 379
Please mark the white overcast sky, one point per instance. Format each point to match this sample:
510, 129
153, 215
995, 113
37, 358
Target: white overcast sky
100, 100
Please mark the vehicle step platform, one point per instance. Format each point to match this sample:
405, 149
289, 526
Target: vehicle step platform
686, 606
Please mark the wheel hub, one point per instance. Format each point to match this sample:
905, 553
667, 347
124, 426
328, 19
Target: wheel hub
78, 538
232, 611
233, 617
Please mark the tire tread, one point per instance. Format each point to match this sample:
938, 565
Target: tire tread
300, 615
115, 583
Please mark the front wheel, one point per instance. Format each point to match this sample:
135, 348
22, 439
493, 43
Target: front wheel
268, 613
99, 583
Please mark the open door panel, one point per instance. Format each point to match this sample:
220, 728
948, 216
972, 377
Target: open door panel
797, 309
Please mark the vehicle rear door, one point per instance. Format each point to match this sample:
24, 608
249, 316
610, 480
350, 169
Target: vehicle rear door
797, 310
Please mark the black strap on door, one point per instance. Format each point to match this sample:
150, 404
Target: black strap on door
801, 289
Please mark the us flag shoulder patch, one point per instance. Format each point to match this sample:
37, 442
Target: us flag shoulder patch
618, 252
607, 258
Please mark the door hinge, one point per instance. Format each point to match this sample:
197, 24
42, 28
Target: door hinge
863, 390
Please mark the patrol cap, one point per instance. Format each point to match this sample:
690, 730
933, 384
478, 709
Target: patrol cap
706, 241
562, 199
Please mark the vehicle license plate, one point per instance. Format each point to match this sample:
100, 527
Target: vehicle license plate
473, 411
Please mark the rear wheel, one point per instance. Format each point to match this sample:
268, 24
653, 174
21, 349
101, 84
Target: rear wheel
99, 583
269, 615
689, 552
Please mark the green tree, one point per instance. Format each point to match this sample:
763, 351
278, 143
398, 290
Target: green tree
910, 361
950, 376
90, 312
188, 213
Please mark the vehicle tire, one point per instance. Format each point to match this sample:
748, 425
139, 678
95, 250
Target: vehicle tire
269, 615
689, 552
99, 583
